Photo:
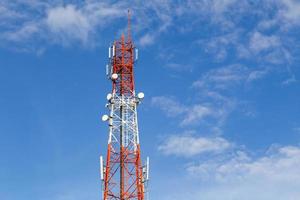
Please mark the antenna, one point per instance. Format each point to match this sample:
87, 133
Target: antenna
128, 26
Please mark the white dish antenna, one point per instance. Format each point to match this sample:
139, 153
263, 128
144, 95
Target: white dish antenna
109, 96
114, 77
141, 95
105, 118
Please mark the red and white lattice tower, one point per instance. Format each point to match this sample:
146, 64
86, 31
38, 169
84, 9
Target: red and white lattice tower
123, 175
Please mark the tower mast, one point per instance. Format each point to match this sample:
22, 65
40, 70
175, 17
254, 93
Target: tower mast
123, 175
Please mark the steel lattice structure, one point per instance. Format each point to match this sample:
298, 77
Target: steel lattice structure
123, 175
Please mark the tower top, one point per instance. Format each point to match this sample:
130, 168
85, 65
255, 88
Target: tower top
128, 25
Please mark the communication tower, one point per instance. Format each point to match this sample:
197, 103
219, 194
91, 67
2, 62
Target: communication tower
123, 175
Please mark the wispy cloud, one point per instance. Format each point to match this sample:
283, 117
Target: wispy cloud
269, 42
81, 23
219, 45
54, 22
189, 145
27, 31
228, 77
291, 11
92, 17
179, 67
197, 113
221, 87
259, 42
290, 80
213, 104
232, 172
274, 175
240, 45
192, 114
68, 23
146, 39
169, 105
222, 78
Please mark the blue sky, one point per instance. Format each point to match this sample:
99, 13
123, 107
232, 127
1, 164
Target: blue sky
221, 115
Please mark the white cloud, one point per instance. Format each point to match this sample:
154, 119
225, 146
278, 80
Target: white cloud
193, 114
290, 80
102, 14
275, 175
52, 22
219, 45
229, 77
197, 113
263, 42
222, 78
212, 106
260, 42
69, 22
7, 14
232, 173
177, 66
257, 74
291, 11
217, 88
188, 146
92, 16
266, 24
222, 6
147, 39
169, 105
81, 23
25, 33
